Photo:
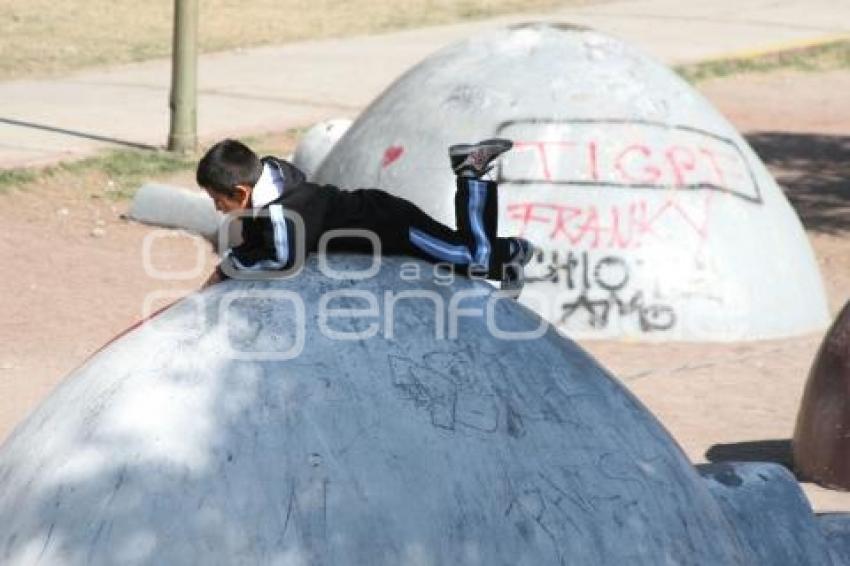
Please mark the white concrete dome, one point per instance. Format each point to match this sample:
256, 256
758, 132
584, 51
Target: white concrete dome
317, 142
657, 219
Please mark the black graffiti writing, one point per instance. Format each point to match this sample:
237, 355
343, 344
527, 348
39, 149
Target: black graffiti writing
601, 287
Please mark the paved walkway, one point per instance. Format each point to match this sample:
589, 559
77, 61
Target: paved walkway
272, 88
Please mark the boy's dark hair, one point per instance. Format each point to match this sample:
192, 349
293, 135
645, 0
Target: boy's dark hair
227, 164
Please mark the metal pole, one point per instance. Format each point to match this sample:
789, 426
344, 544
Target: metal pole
183, 135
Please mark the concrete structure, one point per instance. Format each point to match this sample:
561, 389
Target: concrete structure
822, 435
356, 419
836, 529
772, 516
317, 142
657, 219
176, 207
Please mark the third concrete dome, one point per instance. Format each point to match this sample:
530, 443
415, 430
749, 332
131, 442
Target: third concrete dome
656, 219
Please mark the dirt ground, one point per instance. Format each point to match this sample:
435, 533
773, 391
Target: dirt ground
74, 277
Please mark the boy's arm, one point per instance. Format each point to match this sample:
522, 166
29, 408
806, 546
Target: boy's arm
266, 247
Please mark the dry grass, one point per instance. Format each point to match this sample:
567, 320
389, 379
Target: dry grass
42, 37
115, 175
826, 57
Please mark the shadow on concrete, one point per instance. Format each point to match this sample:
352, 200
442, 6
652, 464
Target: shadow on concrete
77, 134
814, 170
776, 451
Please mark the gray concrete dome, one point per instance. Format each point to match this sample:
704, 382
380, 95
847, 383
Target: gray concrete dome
657, 219
199, 439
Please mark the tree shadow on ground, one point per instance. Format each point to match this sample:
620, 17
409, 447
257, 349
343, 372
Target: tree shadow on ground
814, 171
776, 451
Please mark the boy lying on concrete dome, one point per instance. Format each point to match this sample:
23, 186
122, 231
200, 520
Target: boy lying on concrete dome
270, 193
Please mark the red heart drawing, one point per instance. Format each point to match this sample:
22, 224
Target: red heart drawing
391, 155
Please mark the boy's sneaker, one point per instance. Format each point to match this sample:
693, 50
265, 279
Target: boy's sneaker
513, 272
473, 160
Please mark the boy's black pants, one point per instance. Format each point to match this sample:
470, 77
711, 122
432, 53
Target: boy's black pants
404, 229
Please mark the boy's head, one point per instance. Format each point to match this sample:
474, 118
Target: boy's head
228, 172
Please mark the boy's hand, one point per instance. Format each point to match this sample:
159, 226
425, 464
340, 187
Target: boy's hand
215, 277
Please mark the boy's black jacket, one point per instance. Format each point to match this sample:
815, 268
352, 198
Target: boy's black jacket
321, 208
